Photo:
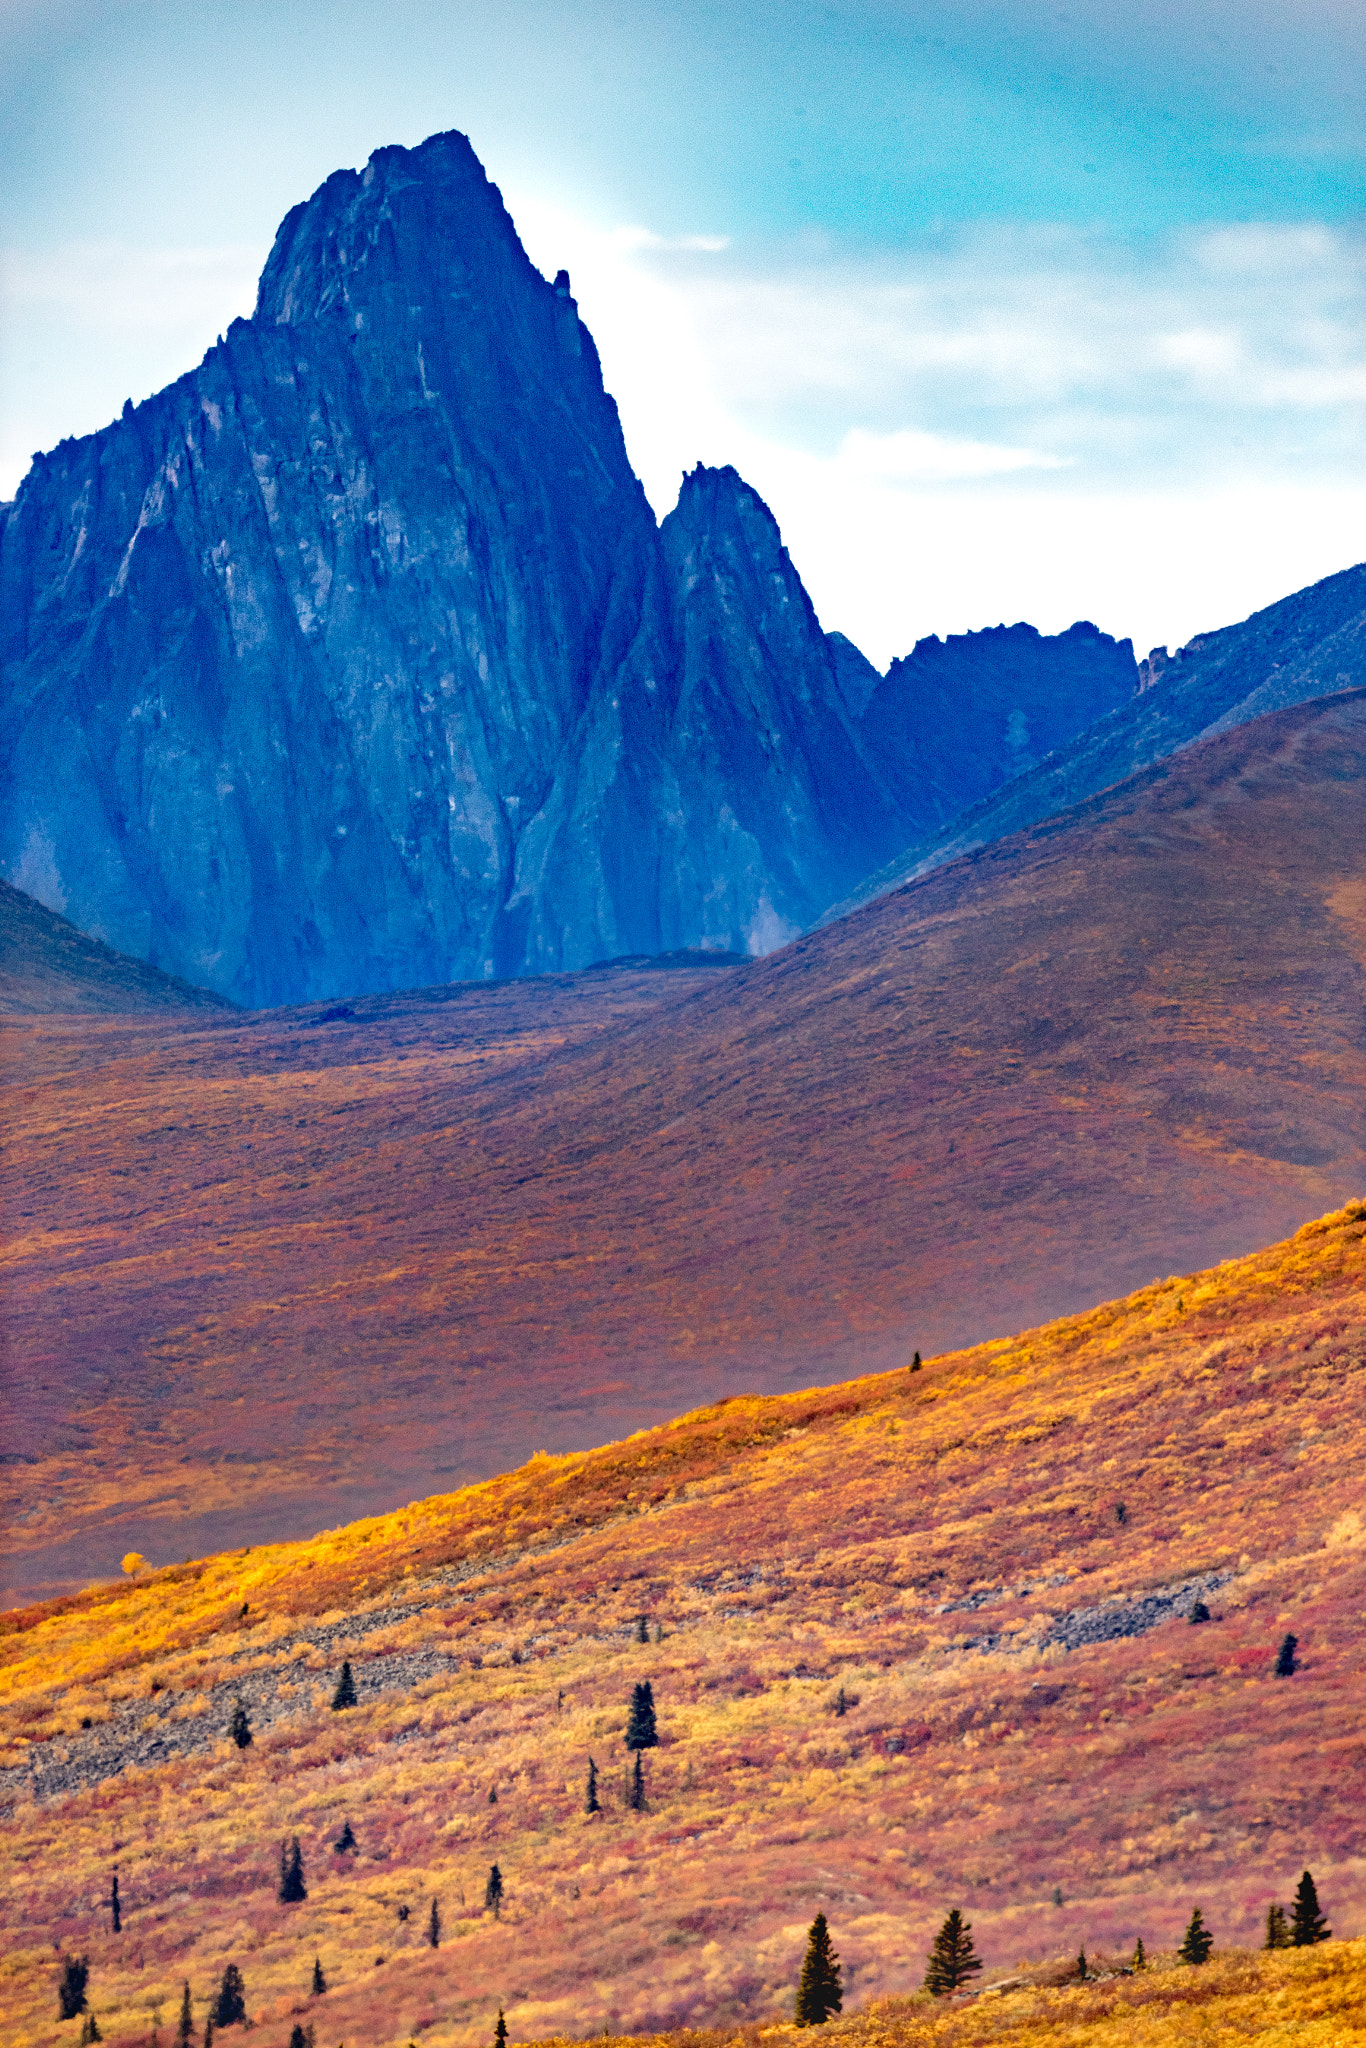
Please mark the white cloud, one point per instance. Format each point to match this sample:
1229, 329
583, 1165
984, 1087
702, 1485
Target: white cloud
89, 324
1001, 424
908, 456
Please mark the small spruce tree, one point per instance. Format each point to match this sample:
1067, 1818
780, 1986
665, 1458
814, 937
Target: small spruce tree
230, 2006
640, 1725
116, 1903
434, 1926
953, 1958
346, 1839
184, 2032
1081, 1964
1277, 1928
1198, 1941
841, 1703
71, 1984
1199, 1612
1140, 1961
590, 1796
819, 1992
297, 2037
1307, 1923
292, 1889
915, 1363
345, 1695
240, 1726
1285, 1657
500, 2032
493, 1892
319, 1984
637, 1792
208, 2031
493, 1795
642, 1629
90, 2030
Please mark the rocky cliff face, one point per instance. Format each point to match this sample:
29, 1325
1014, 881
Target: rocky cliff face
1309, 645
355, 659
958, 717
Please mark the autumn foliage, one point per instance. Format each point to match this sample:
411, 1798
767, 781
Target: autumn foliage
942, 1549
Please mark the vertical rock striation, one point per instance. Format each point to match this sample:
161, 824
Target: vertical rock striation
355, 658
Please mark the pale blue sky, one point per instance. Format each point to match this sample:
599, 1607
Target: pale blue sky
1009, 309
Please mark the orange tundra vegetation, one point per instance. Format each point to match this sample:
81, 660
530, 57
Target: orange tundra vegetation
915, 1641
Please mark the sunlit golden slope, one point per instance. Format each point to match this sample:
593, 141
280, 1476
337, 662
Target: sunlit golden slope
945, 1547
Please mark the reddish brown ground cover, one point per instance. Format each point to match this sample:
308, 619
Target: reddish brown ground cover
271, 1271
927, 1543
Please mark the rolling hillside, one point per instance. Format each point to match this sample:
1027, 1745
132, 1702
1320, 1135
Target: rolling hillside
311, 1262
991, 1565
47, 966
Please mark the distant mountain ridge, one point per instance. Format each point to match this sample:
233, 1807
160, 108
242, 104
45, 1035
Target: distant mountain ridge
356, 660
1309, 645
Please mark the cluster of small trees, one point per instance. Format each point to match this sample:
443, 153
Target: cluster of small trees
953, 1959
1305, 1925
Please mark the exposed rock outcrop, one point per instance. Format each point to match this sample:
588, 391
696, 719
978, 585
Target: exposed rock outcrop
355, 660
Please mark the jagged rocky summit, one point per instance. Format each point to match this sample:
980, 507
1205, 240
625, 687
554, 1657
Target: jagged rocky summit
355, 659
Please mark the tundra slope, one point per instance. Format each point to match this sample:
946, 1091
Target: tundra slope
266, 1261
909, 1546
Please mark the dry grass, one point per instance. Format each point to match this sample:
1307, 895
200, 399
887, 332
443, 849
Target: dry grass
788, 1548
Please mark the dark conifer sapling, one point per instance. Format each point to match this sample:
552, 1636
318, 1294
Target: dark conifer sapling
115, 1903
230, 2006
90, 2031
1198, 1942
841, 1703
434, 1926
914, 1364
71, 1985
590, 1796
640, 1725
953, 1958
493, 1795
500, 2032
208, 2032
1277, 1928
819, 1992
1199, 1612
346, 1839
345, 1695
1285, 1657
493, 1892
240, 1726
319, 1984
1307, 1923
1081, 1964
292, 1889
184, 2032
642, 1629
1140, 1961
